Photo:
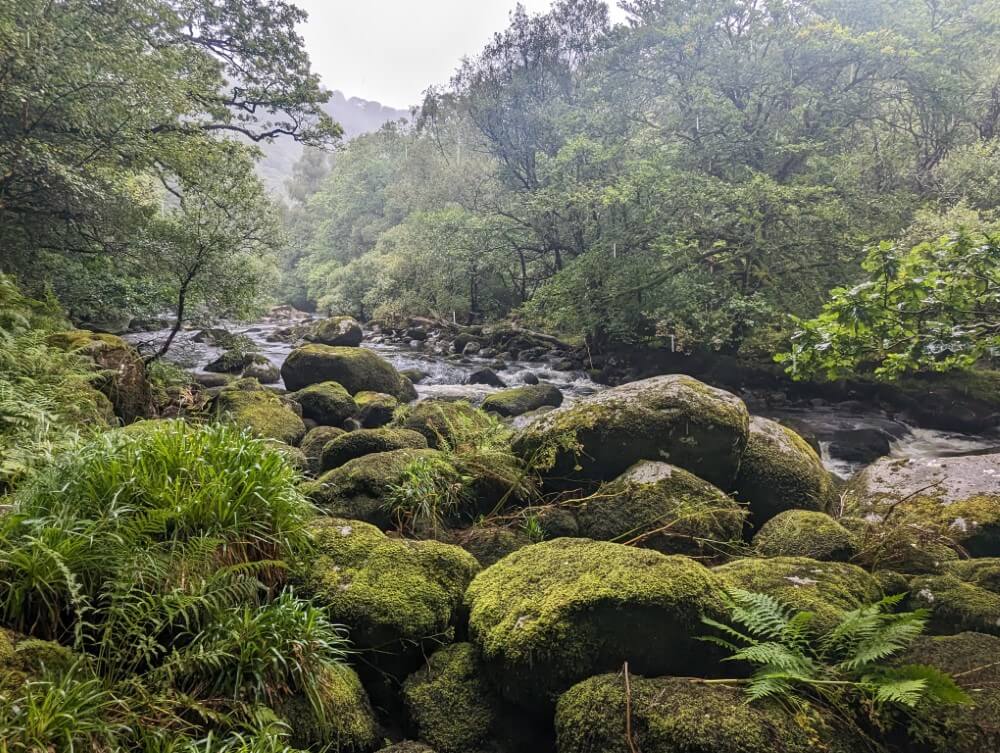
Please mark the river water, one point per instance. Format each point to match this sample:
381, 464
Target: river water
829, 426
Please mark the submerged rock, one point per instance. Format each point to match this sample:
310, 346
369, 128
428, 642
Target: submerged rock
357, 369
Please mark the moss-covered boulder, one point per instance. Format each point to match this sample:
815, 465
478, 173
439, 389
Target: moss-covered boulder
960, 728
554, 613
360, 488
363, 442
357, 369
314, 441
675, 419
263, 412
804, 533
375, 409
394, 595
443, 422
23, 659
779, 471
520, 400
662, 507
347, 723
326, 403
451, 705
956, 605
900, 543
680, 715
123, 374
828, 589
957, 497
336, 330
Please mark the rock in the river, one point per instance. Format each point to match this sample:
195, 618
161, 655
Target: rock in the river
780, 471
263, 412
357, 369
958, 497
356, 444
375, 409
487, 377
673, 418
860, 445
521, 400
662, 507
262, 370
552, 614
337, 330
326, 403
680, 715
804, 533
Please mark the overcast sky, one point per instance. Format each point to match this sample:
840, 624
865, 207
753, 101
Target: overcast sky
391, 50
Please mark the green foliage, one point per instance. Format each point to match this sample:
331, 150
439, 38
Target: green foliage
932, 307
428, 491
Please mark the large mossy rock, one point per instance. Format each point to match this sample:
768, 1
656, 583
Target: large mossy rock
779, 471
675, 419
520, 400
326, 403
263, 412
680, 715
970, 658
803, 533
314, 441
357, 369
662, 507
359, 488
363, 442
957, 497
827, 589
347, 723
443, 422
337, 330
955, 604
552, 614
123, 374
394, 595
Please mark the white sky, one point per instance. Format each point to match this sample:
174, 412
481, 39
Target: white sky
391, 50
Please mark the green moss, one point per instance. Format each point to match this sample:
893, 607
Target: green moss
553, 613
956, 605
984, 572
780, 471
326, 403
828, 589
393, 594
678, 715
347, 723
441, 421
449, 701
23, 659
336, 330
357, 369
262, 412
363, 442
375, 409
520, 400
902, 544
662, 507
674, 418
802, 533
314, 441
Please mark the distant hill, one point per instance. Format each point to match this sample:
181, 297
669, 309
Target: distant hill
357, 116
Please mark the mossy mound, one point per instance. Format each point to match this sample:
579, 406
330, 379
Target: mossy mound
363, 442
23, 659
347, 724
680, 715
803, 533
357, 369
123, 374
966, 728
662, 507
261, 411
552, 614
956, 605
443, 422
520, 400
394, 595
983, 572
674, 418
326, 403
375, 409
900, 543
780, 471
450, 703
828, 589
336, 330
314, 441
359, 488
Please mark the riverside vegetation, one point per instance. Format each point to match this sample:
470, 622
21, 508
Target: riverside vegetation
211, 562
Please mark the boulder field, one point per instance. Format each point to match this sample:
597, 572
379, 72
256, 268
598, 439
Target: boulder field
543, 589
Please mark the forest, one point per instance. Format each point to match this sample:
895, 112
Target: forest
637, 391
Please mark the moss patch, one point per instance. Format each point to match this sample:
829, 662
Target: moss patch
520, 400
347, 724
262, 412
363, 442
326, 403
441, 421
956, 605
375, 409
802, 533
314, 441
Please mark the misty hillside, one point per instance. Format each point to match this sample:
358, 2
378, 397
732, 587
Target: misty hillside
357, 116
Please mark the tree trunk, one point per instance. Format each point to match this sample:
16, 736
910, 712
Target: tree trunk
178, 323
